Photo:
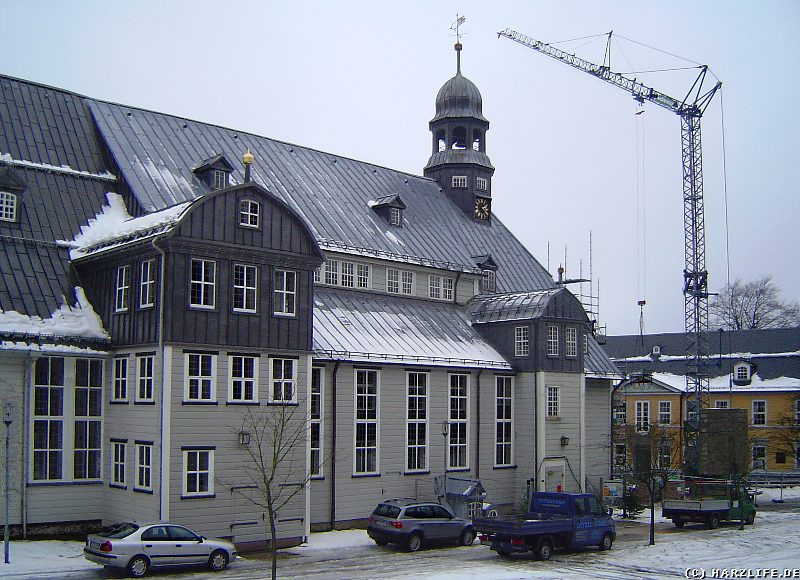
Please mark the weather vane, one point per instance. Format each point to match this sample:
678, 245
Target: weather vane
455, 26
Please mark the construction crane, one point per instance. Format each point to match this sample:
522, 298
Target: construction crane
695, 276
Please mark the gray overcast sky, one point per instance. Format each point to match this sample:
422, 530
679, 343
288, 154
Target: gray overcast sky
359, 79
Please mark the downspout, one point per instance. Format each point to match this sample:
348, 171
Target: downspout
333, 443
165, 408
478, 425
26, 377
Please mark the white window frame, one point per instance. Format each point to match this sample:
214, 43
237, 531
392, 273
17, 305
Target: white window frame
481, 184
366, 416
417, 411
759, 415
242, 379
458, 448
552, 340
219, 179
195, 475
760, 457
122, 287
665, 412
363, 277
797, 411
642, 416
504, 421
147, 284
741, 372
144, 466
249, 213
281, 380
460, 181
88, 420
284, 293
347, 278
585, 343
488, 281
316, 415
204, 285
521, 341
722, 404
119, 390
553, 401
571, 341
145, 377
200, 382
395, 218
53, 416
245, 288
407, 282
8, 206
620, 412
118, 451
392, 281
434, 287
332, 272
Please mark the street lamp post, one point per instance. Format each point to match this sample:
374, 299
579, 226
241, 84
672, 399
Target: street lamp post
7, 419
445, 433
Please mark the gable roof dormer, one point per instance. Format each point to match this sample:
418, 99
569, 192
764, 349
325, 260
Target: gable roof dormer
390, 208
215, 172
742, 373
11, 189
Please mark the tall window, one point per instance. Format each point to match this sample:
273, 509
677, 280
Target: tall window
521, 343
147, 284
362, 278
393, 281
8, 206
504, 426
283, 380
620, 454
553, 403
642, 416
203, 283
664, 412
244, 288
200, 376
348, 274
664, 454
552, 340
316, 422
459, 422
571, 341
366, 422
48, 418
394, 216
285, 292
407, 286
243, 379
417, 421
123, 287
118, 463
759, 455
88, 418
797, 411
144, 378
219, 179
332, 272
488, 281
144, 466
198, 472
620, 412
759, 412
120, 391
249, 211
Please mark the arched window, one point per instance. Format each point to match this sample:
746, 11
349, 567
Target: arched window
477, 140
459, 138
441, 142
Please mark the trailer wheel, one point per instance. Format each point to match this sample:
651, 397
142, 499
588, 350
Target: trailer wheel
679, 523
605, 543
713, 521
751, 517
544, 550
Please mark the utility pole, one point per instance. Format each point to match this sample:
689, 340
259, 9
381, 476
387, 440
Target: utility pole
7, 419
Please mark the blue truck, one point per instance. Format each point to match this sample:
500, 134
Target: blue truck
554, 521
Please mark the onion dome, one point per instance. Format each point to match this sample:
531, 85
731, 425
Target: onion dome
459, 97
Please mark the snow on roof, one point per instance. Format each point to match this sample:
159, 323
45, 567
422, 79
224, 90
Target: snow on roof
723, 383
114, 225
79, 320
730, 356
6, 158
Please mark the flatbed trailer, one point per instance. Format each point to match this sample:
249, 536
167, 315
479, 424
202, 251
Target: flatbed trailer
710, 501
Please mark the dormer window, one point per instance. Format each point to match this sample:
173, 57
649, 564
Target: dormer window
395, 217
390, 208
741, 372
8, 206
219, 179
215, 172
249, 213
488, 281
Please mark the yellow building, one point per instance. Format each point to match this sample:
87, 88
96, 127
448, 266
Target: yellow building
755, 370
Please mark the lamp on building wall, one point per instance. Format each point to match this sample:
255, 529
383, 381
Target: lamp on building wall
8, 418
564, 441
244, 438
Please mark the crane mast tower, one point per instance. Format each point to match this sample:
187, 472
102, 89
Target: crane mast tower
695, 276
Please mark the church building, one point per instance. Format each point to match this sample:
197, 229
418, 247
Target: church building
169, 287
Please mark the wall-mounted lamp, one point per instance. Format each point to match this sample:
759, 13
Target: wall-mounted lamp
564, 441
244, 438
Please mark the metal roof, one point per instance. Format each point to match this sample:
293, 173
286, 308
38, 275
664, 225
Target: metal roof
517, 306
362, 326
156, 153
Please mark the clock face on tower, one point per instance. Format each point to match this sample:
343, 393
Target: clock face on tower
483, 208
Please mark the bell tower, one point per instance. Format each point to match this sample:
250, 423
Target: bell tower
458, 159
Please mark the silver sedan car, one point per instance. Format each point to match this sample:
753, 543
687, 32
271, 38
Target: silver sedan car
137, 548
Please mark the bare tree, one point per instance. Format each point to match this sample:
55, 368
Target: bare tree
753, 305
787, 437
276, 470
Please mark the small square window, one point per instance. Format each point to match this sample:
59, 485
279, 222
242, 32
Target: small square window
283, 380
460, 181
249, 213
8, 206
481, 183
